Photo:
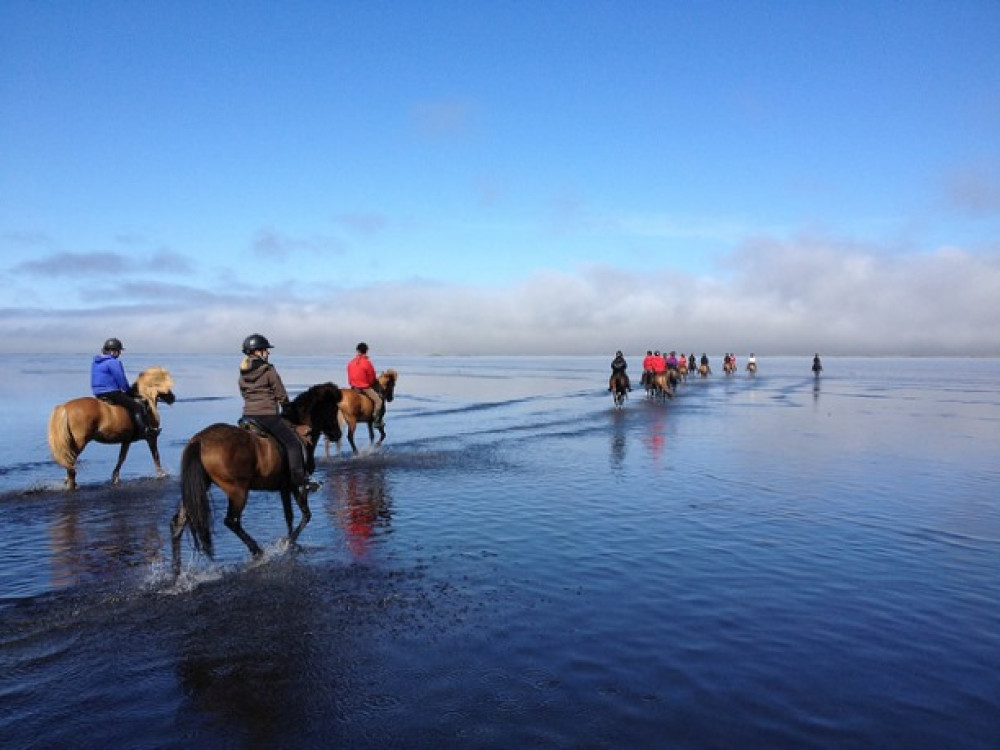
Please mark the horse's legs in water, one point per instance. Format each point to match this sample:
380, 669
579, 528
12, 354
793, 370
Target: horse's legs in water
351, 424
303, 502
115, 475
286, 505
154, 451
232, 522
177, 525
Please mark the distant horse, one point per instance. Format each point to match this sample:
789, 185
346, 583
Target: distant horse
238, 460
357, 407
729, 367
75, 423
619, 389
751, 368
682, 370
704, 370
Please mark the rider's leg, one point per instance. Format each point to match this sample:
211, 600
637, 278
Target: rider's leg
378, 411
132, 406
293, 450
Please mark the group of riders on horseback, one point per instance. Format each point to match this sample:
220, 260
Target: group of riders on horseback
265, 398
654, 364
660, 372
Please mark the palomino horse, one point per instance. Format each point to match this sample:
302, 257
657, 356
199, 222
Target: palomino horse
619, 389
704, 370
357, 407
239, 460
75, 423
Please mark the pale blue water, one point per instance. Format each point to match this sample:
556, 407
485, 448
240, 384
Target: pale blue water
767, 562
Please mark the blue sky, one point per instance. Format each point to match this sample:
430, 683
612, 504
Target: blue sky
501, 177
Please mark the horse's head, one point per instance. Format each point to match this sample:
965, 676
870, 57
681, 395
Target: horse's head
317, 408
387, 381
155, 384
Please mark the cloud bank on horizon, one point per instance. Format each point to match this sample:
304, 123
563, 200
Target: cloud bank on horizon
438, 179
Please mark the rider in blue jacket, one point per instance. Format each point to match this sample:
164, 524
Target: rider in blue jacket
108, 382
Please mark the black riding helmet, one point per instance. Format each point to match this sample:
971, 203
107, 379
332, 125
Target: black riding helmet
255, 341
112, 345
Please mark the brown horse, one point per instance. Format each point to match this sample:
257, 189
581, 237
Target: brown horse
619, 389
357, 407
75, 423
238, 460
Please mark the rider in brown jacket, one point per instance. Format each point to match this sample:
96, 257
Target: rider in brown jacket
263, 396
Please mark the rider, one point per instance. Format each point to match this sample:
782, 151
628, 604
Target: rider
659, 363
704, 359
263, 396
691, 363
361, 376
108, 383
619, 365
647, 368
751, 362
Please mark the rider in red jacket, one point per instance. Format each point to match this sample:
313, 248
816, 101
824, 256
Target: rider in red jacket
361, 376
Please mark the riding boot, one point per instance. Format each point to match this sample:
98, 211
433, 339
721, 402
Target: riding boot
139, 420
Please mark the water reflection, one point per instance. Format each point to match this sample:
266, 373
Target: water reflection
618, 439
243, 657
85, 542
361, 505
656, 439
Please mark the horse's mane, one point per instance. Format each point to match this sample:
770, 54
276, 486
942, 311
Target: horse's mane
155, 378
306, 401
391, 375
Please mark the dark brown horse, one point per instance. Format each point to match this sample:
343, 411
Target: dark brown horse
357, 407
75, 423
238, 460
619, 389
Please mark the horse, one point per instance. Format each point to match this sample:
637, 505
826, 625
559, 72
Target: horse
237, 460
663, 384
357, 407
751, 368
75, 423
619, 389
704, 370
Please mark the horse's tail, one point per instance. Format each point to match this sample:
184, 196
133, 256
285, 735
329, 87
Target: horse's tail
61, 442
194, 497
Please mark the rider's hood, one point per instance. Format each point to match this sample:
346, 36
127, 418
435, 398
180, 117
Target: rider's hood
252, 368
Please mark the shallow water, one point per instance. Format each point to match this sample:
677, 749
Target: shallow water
760, 562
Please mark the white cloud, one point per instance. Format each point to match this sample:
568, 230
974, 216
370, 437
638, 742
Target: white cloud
772, 297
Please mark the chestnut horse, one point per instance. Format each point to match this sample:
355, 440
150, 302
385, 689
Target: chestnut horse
357, 407
75, 423
237, 460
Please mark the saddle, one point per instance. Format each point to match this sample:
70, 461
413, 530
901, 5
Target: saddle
302, 431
